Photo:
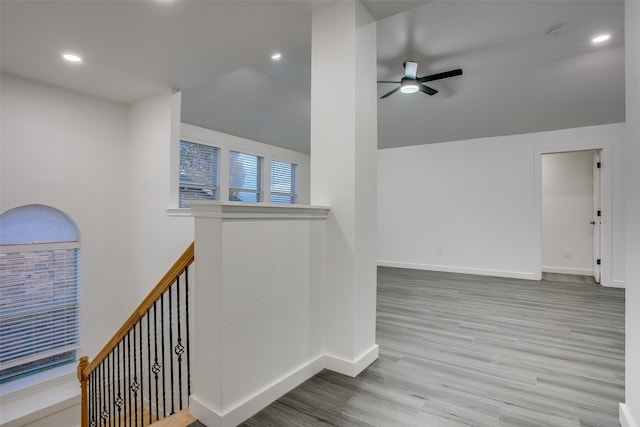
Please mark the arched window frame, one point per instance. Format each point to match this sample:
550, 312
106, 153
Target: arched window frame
39, 291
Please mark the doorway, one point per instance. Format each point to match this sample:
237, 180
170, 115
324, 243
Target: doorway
571, 215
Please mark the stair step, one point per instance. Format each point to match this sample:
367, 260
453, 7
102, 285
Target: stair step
179, 419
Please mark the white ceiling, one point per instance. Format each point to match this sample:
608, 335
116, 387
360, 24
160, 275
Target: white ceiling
517, 78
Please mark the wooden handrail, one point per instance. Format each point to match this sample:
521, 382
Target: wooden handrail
172, 275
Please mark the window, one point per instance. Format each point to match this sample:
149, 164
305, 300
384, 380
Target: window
39, 290
246, 175
199, 172
284, 182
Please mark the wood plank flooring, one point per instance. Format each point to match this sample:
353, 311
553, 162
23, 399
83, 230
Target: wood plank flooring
463, 350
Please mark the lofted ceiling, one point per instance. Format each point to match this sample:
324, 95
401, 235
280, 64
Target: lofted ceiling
517, 78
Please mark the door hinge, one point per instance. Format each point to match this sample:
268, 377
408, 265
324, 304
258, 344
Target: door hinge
599, 213
599, 261
599, 165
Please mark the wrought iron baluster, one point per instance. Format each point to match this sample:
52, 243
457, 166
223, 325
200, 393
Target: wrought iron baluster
149, 369
156, 366
104, 415
179, 347
135, 385
173, 409
119, 396
128, 343
186, 295
141, 373
162, 340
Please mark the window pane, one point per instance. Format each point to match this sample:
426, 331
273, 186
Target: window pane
284, 182
245, 177
199, 172
38, 310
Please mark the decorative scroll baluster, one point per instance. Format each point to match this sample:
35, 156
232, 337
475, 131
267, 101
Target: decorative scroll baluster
141, 373
186, 306
129, 376
119, 396
156, 366
135, 385
148, 316
179, 347
164, 376
173, 408
112, 392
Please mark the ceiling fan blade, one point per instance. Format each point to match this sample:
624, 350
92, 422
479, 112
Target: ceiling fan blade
439, 76
427, 90
390, 93
410, 69
387, 81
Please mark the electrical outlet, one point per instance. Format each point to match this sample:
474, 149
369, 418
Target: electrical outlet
567, 253
439, 250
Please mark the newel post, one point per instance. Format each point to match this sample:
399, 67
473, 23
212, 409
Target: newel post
84, 394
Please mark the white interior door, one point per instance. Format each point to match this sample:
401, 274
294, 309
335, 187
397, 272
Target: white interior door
597, 216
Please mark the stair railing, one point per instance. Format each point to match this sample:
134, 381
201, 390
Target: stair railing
143, 373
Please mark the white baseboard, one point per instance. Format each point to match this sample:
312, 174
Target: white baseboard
626, 420
239, 413
464, 270
211, 417
616, 284
567, 270
348, 367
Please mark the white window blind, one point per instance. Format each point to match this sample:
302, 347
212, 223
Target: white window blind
284, 182
246, 176
39, 298
199, 172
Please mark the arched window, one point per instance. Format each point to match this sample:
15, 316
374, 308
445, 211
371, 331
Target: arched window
39, 290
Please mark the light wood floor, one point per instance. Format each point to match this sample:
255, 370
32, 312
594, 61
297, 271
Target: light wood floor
462, 350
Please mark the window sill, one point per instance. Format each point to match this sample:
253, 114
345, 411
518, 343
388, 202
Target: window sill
37, 396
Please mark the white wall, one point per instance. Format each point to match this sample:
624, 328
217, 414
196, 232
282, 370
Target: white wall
471, 206
567, 210
630, 412
343, 175
156, 239
68, 151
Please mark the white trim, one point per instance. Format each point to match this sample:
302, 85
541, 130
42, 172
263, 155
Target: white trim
5, 249
616, 284
211, 417
625, 417
23, 405
567, 270
256, 402
348, 367
607, 207
239, 210
464, 270
179, 212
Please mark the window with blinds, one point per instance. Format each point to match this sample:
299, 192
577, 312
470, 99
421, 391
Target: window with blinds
284, 182
246, 176
39, 291
199, 172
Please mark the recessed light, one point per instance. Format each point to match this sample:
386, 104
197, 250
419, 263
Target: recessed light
72, 57
601, 38
276, 56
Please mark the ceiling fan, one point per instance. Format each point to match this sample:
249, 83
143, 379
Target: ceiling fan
410, 83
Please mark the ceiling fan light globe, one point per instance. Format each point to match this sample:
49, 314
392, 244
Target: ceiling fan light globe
409, 89
409, 86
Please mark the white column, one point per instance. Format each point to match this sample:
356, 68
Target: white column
206, 401
343, 176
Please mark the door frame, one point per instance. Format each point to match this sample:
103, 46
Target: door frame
605, 184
